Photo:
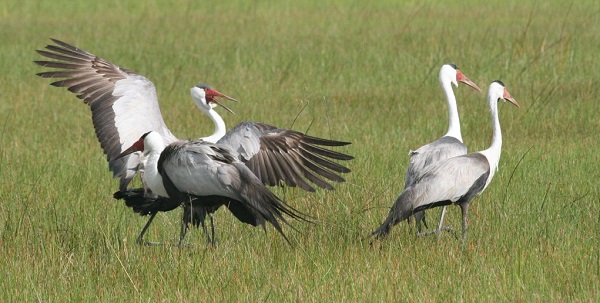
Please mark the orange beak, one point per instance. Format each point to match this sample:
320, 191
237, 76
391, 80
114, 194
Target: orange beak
460, 77
510, 99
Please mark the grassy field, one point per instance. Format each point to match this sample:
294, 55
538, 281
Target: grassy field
368, 74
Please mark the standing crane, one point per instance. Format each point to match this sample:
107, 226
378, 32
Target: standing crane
455, 180
448, 146
125, 106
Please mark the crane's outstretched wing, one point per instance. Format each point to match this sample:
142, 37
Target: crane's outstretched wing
441, 149
124, 104
278, 155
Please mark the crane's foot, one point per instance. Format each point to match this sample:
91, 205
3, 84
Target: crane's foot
448, 229
437, 231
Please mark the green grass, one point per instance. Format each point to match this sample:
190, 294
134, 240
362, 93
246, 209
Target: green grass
369, 75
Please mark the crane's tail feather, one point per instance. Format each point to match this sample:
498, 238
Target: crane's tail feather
264, 205
400, 211
385, 227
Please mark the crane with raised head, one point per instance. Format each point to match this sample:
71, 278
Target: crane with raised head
455, 180
448, 146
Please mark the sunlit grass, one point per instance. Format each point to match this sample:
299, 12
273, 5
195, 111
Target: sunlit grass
368, 73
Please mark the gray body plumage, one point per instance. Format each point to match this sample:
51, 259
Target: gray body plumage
452, 181
208, 172
441, 149
125, 106
444, 148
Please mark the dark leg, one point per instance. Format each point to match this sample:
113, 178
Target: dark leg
208, 238
420, 218
212, 227
187, 211
465, 209
184, 228
141, 236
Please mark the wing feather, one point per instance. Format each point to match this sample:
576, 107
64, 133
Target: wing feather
441, 149
283, 156
124, 104
449, 180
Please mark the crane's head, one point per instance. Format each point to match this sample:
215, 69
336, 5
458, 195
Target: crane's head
451, 73
205, 97
148, 142
498, 91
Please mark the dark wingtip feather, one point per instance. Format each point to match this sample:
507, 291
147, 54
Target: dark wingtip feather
326, 152
324, 162
64, 44
324, 142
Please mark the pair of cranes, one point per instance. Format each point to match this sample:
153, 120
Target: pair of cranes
442, 172
232, 168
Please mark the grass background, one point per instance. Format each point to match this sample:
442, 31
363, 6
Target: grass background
368, 74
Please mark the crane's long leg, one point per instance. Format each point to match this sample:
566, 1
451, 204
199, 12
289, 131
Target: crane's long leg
184, 228
420, 218
206, 234
212, 227
440, 227
141, 236
184, 222
465, 209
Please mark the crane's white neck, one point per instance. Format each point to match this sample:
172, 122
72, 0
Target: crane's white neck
153, 147
453, 119
495, 149
220, 128
199, 97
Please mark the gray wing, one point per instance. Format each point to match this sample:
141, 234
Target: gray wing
450, 180
441, 149
278, 155
124, 104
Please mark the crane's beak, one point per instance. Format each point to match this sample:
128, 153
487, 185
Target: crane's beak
137, 146
213, 93
460, 77
510, 99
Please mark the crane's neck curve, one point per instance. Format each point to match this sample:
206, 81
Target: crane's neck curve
495, 149
453, 118
220, 128
153, 148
